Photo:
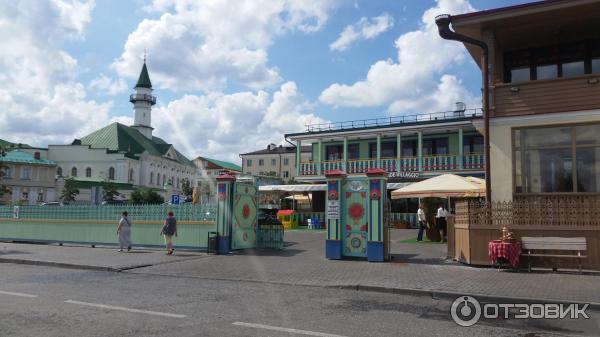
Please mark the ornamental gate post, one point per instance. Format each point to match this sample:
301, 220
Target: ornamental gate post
225, 184
376, 246
333, 244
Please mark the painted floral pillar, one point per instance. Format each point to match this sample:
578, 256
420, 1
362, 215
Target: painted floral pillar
333, 244
225, 184
377, 199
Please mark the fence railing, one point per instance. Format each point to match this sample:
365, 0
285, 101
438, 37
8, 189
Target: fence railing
472, 161
544, 212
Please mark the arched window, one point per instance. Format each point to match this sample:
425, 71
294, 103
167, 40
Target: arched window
151, 178
177, 182
130, 174
88, 172
74, 172
158, 179
111, 173
59, 171
164, 179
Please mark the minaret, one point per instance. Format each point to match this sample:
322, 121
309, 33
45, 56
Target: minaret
142, 103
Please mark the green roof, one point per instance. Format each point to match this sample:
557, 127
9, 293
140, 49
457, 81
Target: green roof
88, 183
22, 157
117, 137
144, 79
224, 164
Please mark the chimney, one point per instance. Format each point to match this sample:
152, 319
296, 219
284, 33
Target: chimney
36, 155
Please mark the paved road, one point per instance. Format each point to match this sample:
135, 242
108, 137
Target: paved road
50, 301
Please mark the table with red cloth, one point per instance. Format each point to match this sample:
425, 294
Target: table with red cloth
507, 250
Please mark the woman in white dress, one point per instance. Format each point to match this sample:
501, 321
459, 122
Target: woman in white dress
124, 233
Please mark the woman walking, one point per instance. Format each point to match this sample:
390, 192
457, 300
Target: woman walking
168, 230
124, 232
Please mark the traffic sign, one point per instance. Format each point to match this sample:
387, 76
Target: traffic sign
175, 199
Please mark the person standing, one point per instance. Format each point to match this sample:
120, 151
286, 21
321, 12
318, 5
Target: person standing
440, 221
124, 232
422, 222
168, 230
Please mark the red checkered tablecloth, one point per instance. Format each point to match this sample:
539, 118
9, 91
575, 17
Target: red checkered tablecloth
508, 250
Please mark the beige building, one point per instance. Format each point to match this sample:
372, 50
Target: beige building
278, 161
544, 82
30, 178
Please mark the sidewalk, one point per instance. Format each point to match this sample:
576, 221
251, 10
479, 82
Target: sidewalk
416, 269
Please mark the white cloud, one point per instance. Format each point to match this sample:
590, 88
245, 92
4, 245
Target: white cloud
206, 45
364, 29
417, 80
223, 125
41, 101
108, 85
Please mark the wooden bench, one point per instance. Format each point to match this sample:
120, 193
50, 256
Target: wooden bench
535, 247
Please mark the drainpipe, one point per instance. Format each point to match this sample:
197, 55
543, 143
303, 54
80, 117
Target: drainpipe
443, 22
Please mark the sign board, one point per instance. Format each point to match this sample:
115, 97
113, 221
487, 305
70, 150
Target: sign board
333, 209
404, 174
175, 199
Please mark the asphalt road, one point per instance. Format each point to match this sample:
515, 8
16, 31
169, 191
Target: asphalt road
48, 301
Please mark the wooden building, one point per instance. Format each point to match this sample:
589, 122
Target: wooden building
544, 94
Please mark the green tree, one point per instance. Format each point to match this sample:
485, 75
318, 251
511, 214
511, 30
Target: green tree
186, 187
69, 191
109, 191
3, 189
146, 196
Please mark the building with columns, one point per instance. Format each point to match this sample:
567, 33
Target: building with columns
130, 156
409, 148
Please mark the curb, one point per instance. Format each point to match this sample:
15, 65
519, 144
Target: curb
65, 265
450, 295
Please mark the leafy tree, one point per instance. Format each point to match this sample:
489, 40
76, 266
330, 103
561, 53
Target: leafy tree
3, 189
186, 187
109, 191
146, 196
69, 191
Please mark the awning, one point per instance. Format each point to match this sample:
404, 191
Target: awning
314, 187
443, 186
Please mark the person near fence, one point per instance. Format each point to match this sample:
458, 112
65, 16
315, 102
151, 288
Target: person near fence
422, 222
124, 232
168, 230
440, 221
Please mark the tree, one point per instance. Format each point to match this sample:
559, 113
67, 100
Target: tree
109, 191
69, 191
186, 188
146, 196
3, 189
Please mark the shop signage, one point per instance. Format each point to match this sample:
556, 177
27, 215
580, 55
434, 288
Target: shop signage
333, 209
404, 174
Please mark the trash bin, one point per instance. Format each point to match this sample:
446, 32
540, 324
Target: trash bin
211, 243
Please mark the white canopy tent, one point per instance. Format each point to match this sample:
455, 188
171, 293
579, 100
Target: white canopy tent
443, 186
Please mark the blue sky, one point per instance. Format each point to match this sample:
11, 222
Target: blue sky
228, 80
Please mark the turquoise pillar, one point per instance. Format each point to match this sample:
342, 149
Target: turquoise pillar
225, 184
398, 151
345, 168
298, 157
320, 156
420, 150
378, 162
461, 152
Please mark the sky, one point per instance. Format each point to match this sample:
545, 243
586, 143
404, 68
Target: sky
230, 76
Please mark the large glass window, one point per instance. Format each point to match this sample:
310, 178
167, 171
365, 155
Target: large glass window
353, 151
409, 148
388, 150
334, 152
437, 146
472, 144
557, 159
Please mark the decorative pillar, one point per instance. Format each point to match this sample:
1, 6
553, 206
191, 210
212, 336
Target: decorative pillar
225, 184
333, 244
376, 245
319, 157
420, 150
378, 162
398, 151
461, 152
298, 157
345, 167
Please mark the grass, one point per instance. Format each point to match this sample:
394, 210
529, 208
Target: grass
414, 240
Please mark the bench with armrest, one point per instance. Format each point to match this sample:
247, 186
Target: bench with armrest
573, 248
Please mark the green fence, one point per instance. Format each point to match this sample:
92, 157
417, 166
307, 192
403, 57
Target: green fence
97, 224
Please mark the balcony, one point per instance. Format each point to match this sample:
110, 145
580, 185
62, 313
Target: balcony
142, 97
439, 163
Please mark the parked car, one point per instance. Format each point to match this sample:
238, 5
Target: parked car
114, 202
52, 203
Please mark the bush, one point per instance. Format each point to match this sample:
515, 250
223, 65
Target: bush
145, 196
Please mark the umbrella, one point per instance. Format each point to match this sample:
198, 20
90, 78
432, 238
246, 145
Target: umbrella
443, 186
